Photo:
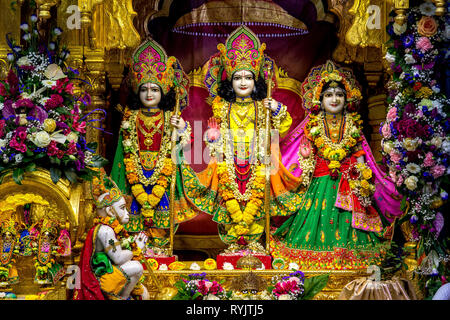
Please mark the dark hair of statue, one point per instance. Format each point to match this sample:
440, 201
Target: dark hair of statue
326, 86
225, 90
167, 102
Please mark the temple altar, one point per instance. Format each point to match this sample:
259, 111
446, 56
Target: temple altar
56, 210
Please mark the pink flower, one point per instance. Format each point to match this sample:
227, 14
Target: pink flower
52, 149
424, 44
400, 180
2, 90
19, 146
69, 88
428, 161
72, 149
395, 156
393, 175
392, 114
386, 131
54, 102
79, 126
438, 171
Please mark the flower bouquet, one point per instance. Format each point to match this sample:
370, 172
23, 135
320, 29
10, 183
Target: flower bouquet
41, 122
415, 141
197, 287
296, 287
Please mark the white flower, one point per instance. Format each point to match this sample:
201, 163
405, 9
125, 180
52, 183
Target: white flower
163, 267
436, 141
18, 157
23, 61
127, 143
43, 100
24, 26
388, 146
446, 146
413, 168
48, 83
411, 182
409, 59
447, 32
2, 143
399, 29
41, 139
427, 9
58, 137
51, 46
10, 56
125, 125
227, 266
54, 72
410, 144
194, 266
26, 36
436, 89
293, 266
285, 297
211, 297
389, 57
72, 136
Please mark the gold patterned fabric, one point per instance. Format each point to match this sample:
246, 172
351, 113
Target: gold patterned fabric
368, 289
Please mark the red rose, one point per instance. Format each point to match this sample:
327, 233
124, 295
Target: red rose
2, 90
334, 174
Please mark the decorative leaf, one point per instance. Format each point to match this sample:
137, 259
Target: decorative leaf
18, 175
55, 174
314, 285
30, 167
71, 175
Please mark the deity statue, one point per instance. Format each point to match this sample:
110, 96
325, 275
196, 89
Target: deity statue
49, 241
110, 262
9, 247
337, 226
232, 187
143, 165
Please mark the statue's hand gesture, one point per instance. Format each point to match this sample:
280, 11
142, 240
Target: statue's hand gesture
213, 132
305, 147
141, 240
270, 104
178, 122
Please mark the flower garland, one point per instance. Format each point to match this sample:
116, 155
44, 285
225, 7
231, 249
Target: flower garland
164, 167
334, 152
360, 181
228, 188
415, 135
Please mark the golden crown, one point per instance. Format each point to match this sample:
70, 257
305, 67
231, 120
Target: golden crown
242, 51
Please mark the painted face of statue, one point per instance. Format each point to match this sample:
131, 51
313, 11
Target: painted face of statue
243, 83
333, 100
120, 211
150, 95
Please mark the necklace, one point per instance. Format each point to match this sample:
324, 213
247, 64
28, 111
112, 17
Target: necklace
149, 122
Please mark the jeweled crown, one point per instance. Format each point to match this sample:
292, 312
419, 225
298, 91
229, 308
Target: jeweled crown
150, 63
242, 51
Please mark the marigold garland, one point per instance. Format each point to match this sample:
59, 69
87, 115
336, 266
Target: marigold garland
334, 152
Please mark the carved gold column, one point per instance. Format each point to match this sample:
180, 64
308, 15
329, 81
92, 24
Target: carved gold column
9, 23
